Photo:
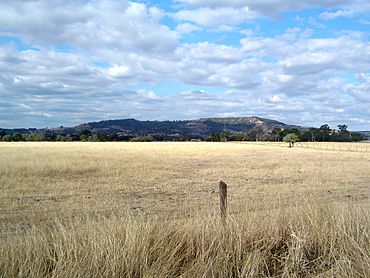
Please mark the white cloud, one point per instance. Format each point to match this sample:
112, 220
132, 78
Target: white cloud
119, 71
148, 95
215, 17
185, 28
120, 25
350, 9
277, 98
360, 91
284, 77
197, 95
339, 13
210, 52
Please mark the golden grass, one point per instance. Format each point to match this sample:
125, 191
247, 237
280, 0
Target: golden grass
151, 210
363, 146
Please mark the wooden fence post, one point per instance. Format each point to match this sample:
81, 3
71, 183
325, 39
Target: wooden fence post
223, 199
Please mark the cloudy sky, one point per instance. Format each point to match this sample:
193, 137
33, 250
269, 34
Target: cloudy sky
68, 62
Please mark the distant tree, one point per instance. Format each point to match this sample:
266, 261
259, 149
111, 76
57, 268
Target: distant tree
356, 137
310, 134
93, 138
225, 136
2, 133
6, 138
60, 138
145, 138
84, 135
276, 134
214, 137
37, 136
68, 138
315, 132
101, 138
252, 135
86, 132
17, 136
325, 131
294, 130
291, 138
343, 129
238, 136
26, 137
306, 136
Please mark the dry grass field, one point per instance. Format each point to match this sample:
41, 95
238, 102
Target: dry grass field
151, 210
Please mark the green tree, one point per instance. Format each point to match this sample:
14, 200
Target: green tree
6, 138
214, 137
325, 131
315, 132
252, 135
343, 129
294, 130
103, 138
37, 136
291, 138
68, 138
84, 135
276, 134
17, 136
60, 138
26, 137
343, 134
93, 138
238, 136
225, 136
2, 133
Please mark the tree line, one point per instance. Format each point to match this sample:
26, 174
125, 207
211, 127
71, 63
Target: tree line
322, 134
84, 136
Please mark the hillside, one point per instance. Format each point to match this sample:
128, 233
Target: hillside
174, 129
235, 128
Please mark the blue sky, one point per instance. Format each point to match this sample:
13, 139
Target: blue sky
69, 62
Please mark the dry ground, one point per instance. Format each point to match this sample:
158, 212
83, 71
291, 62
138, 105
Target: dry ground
42, 180
60, 201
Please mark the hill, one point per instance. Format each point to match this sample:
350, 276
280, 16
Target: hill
197, 129
212, 129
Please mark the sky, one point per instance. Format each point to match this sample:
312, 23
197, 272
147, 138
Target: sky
70, 62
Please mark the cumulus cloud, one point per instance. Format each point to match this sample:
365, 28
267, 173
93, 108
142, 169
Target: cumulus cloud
119, 25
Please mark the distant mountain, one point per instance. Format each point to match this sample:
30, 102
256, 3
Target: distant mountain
169, 129
174, 129
213, 129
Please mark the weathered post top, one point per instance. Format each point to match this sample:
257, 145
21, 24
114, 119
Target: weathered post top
223, 199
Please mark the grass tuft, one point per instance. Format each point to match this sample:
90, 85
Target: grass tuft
303, 241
